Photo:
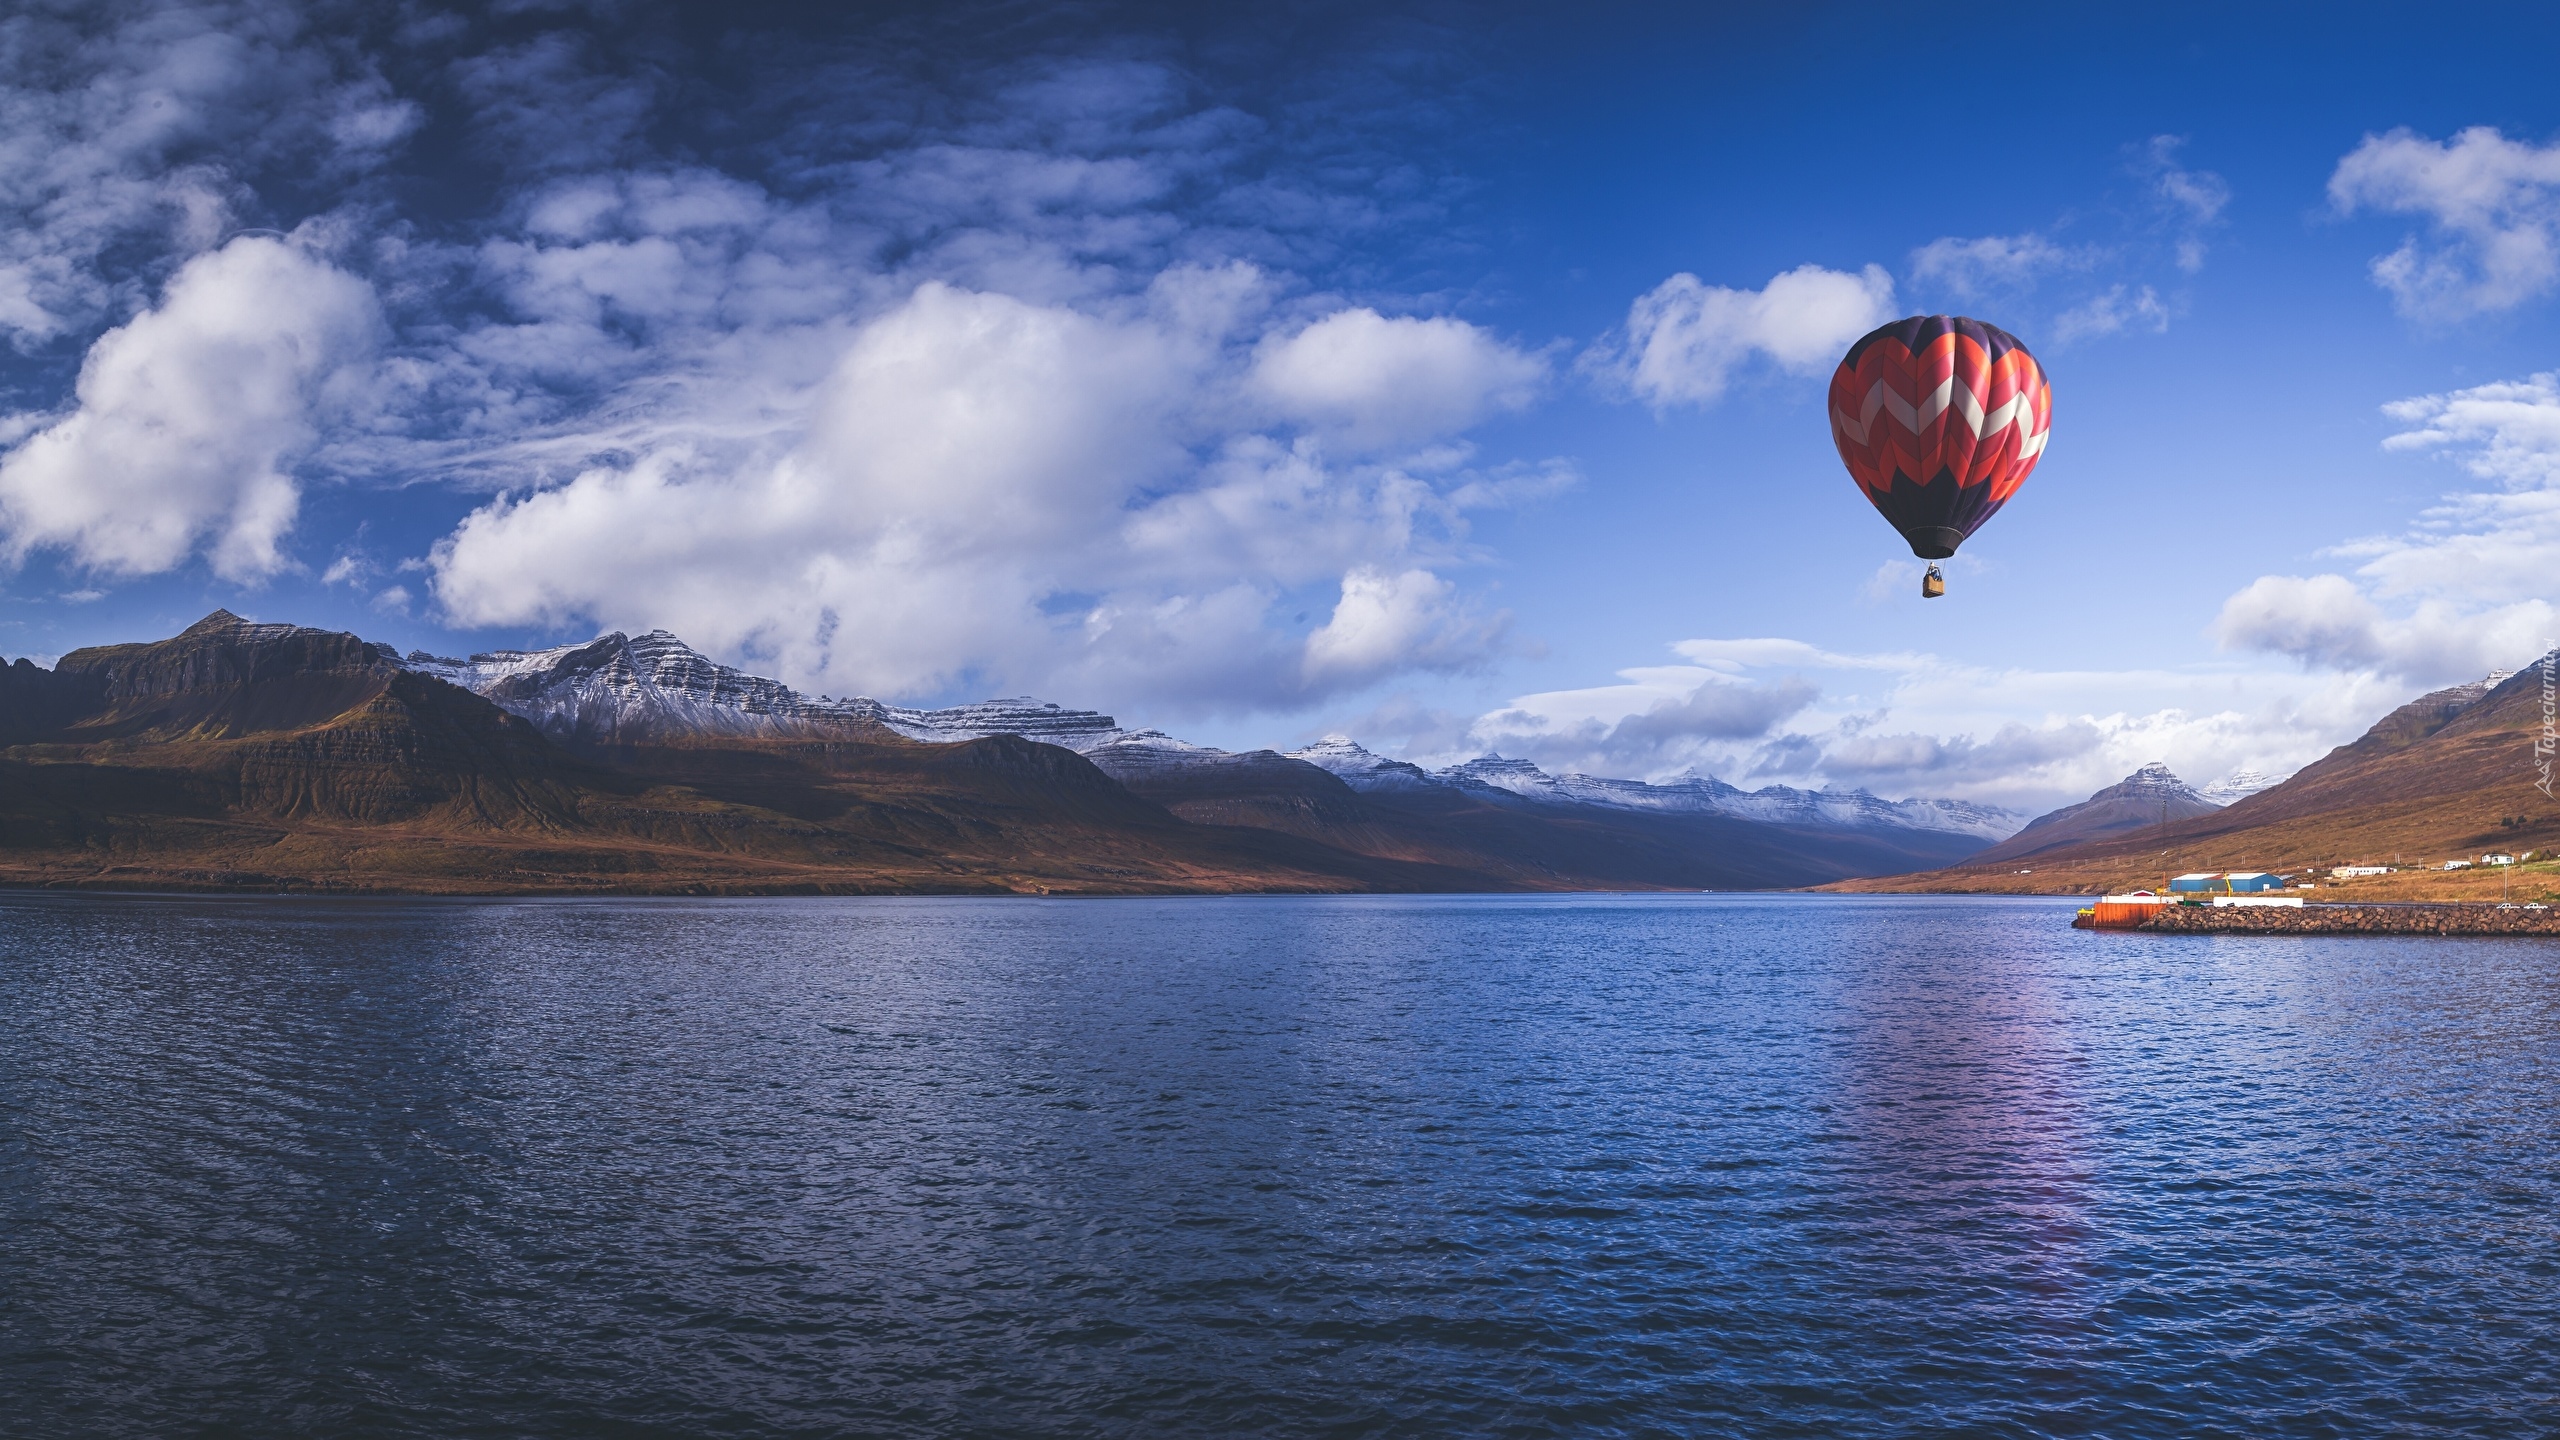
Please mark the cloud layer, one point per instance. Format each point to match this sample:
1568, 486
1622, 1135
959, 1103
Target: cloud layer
1771, 710
1684, 339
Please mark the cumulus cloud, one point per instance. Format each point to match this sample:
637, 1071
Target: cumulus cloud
1684, 339
190, 417
2326, 622
1376, 381
1385, 623
1055, 495
2493, 210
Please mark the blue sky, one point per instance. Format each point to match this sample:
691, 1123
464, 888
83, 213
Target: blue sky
1449, 376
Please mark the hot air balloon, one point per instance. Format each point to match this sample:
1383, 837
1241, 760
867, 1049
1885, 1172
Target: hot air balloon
1940, 419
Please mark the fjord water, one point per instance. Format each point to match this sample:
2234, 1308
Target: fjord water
1415, 1166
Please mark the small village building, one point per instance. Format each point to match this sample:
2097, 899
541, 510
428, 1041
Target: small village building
2250, 882
2350, 872
2457, 864
2196, 884
2497, 859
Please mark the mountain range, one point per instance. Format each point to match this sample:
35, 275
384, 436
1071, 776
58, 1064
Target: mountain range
239, 754
655, 685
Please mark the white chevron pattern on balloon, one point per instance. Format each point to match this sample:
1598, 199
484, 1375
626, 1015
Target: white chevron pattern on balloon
1948, 395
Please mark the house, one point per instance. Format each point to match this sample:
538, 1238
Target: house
2236, 882
2457, 864
2349, 872
2497, 859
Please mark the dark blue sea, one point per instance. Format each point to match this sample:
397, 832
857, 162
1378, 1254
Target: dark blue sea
1557, 1166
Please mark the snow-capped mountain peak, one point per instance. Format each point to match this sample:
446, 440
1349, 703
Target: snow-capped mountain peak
2237, 786
1697, 794
618, 688
1356, 766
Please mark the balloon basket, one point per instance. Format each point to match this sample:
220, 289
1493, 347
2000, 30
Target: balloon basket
1933, 584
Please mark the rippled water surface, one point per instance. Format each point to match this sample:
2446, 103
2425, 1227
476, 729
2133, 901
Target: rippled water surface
1556, 1166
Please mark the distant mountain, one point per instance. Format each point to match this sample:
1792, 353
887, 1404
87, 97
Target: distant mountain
2237, 786
238, 755
1775, 804
2148, 799
618, 688
2448, 775
271, 756
615, 688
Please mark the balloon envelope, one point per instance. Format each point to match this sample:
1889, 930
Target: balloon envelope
1940, 419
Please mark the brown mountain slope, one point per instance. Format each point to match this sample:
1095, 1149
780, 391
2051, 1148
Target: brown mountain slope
2449, 775
269, 756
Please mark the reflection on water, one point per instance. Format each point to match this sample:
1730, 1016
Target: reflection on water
1550, 1166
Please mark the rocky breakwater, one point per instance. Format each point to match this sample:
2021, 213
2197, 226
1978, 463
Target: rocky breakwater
2355, 920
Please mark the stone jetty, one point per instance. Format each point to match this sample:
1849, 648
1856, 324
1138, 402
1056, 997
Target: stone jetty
2411, 919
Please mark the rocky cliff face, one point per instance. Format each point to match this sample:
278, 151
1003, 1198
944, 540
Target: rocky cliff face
614, 689
221, 677
1083, 731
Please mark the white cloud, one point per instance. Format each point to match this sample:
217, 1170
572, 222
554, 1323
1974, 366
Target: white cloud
2466, 589
2494, 210
2170, 226
2326, 622
1034, 495
2107, 313
1684, 338
191, 416
2193, 198
1378, 382
2515, 424
1970, 269
1664, 721
1389, 622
